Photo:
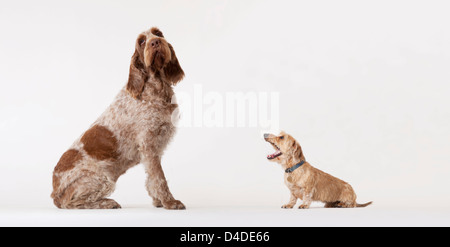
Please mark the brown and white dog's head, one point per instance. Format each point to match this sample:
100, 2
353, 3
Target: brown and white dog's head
286, 147
153, 57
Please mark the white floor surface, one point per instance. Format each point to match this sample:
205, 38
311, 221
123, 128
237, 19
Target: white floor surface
145, 215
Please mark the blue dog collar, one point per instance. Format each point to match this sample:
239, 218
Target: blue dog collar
290, 170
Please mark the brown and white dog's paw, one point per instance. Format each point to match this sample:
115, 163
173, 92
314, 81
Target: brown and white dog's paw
103, 204
174, 204
157, 203
287, 206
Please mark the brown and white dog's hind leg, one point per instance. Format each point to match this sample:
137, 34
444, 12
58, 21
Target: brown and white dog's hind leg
88, 192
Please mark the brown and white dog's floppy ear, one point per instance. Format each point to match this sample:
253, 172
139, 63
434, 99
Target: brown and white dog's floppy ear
173, 71
137, 76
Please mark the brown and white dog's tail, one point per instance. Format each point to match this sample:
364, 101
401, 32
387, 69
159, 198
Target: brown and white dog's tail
363, 205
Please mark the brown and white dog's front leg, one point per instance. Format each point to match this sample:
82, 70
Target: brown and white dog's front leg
157, 185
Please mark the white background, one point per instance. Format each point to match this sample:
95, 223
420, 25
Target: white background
364, 87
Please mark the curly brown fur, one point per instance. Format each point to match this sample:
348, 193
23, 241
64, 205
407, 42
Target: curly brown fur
135, 128
306, 182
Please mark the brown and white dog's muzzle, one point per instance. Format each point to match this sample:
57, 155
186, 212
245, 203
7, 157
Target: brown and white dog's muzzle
157, 54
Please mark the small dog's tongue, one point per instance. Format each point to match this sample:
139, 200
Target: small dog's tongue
276, 154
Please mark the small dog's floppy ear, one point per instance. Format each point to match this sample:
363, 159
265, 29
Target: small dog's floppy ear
137, 76
173, 71
297, 150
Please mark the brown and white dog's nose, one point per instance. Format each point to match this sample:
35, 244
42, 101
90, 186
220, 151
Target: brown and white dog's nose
266, 136
155, 43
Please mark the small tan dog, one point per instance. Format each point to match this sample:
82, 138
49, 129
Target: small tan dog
306, 182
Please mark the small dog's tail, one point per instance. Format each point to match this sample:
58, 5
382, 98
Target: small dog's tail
363, 205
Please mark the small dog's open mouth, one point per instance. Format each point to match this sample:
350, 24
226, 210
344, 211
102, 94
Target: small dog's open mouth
276, 154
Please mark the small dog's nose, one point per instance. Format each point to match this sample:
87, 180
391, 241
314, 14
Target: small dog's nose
155, 43
266, 135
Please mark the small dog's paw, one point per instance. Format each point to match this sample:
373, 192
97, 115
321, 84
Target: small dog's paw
175, 204
287, 206
303, 206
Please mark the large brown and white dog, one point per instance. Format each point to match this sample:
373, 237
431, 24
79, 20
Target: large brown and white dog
135, 128
306, 182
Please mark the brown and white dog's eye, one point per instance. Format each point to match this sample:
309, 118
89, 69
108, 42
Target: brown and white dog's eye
281, 137
141, 41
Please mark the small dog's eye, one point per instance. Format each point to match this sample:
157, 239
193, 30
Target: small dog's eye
281, 137
141, 41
